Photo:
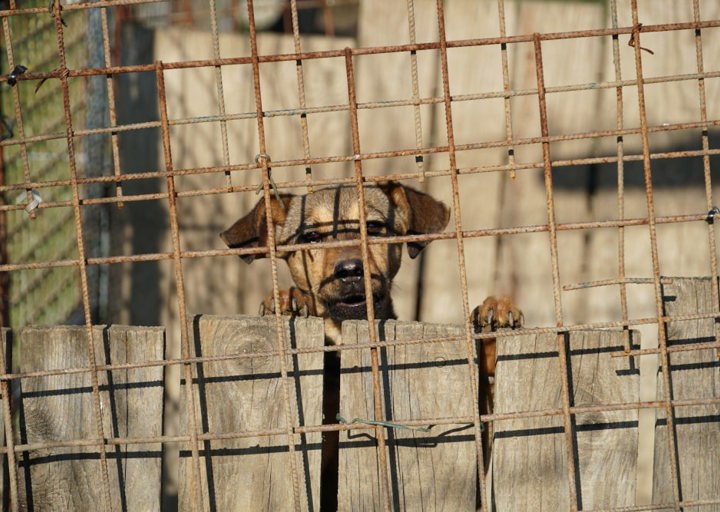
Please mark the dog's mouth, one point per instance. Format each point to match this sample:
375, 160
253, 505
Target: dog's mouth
353, 306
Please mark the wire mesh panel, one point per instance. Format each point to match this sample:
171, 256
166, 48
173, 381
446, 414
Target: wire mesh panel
35, 150
371, 160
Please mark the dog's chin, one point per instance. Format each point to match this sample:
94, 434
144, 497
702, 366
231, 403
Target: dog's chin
354, 307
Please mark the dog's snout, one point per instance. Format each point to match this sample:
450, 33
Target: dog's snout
349, 270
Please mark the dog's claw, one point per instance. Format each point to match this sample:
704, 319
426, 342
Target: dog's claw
495, 314
491, 315
292, 302
299, 307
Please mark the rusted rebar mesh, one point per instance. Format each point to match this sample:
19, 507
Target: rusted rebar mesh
450, 171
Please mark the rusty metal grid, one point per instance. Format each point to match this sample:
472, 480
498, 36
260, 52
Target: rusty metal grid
264, 165
51, 294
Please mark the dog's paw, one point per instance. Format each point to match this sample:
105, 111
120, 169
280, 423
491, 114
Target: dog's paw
292, 302
495, 314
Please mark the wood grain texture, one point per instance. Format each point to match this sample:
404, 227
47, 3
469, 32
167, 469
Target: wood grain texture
529, 455
694, 375
60, 408
243, 395
433, 470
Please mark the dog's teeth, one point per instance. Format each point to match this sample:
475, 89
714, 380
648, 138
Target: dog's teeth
293, 305
305, 311
262, 309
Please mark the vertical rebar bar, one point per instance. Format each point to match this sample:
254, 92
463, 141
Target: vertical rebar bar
706, 166
264, 162
470, 344
652, 228
185, 347
112, 111
302, 102
506, 89
619, 125
19, 124
220, 90
82, 257
575, 499
8, 423
367, 279
5, 323
419, 160
95, 152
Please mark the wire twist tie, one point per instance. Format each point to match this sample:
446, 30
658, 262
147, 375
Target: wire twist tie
711, 215
266, 162
34, 203
387, 424
634, 38
15, 73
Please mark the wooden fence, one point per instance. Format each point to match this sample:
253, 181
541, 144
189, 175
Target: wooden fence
563, 434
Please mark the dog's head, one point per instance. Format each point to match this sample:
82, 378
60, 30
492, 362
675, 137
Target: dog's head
335, 276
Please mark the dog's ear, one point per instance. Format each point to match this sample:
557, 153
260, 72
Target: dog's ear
251, 230
422, 213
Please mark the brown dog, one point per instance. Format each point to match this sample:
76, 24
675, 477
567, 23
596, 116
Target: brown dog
329, 282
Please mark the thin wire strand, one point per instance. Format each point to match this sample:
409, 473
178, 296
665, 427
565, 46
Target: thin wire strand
114, 135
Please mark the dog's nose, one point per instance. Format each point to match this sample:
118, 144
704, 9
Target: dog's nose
349, 270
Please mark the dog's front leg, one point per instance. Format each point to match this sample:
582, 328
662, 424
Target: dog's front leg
491, 315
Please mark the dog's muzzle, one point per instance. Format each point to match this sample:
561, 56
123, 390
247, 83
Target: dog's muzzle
349, 301
354, 306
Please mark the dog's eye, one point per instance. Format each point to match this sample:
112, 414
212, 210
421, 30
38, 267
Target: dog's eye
375, 227
310, 237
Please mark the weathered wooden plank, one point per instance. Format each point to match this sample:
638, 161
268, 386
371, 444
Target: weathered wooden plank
694, 375
60, 408
529, 454
433, 470
246, 395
